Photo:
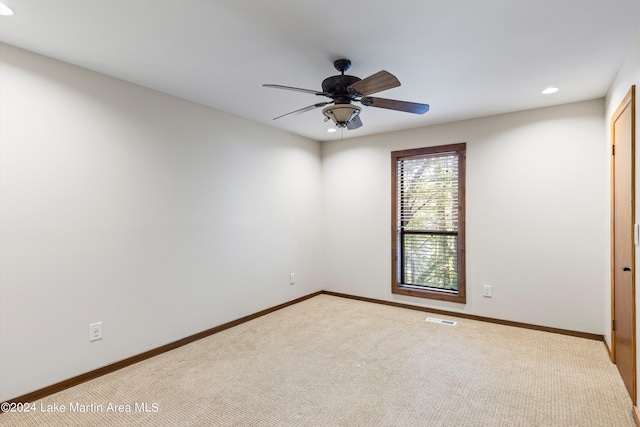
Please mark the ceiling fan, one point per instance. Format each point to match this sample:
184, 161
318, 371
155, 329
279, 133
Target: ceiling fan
344, 89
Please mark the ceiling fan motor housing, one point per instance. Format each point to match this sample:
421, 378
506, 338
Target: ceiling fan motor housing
337, 86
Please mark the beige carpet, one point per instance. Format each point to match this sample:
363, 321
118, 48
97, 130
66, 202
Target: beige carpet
330, 361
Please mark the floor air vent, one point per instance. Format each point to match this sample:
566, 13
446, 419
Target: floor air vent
441, 321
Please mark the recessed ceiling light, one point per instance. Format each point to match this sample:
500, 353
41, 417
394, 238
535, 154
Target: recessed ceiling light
331, 130
5, 10
550, 90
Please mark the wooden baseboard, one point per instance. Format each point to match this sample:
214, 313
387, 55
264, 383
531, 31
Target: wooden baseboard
71, 382
636, 415
586, 335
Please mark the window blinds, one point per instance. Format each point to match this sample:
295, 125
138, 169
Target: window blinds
428, 193
427, 219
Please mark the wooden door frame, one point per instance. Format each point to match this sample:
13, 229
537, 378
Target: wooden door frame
628, 101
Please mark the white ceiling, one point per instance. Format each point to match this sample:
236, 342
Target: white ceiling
466, 58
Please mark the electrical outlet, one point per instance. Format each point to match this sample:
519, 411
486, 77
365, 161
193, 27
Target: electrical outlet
95, 331
292, 279
487, 291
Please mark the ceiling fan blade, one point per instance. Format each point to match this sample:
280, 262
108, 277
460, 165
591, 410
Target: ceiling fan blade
382, 80
392, 104
303, 110
355, 123
297, 89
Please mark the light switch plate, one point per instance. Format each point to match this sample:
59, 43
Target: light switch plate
487, 291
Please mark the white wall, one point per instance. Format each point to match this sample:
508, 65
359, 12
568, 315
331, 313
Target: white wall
628, 75
536, 228
159, 217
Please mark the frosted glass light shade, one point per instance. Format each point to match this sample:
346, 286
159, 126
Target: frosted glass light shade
341, 114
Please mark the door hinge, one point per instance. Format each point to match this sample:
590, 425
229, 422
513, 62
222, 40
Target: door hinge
613, 325
613, 150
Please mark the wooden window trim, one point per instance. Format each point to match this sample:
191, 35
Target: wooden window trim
403, 289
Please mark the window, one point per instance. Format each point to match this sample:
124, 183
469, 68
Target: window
428, 222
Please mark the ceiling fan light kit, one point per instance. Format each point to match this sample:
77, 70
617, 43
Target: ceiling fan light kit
341, 114
344, 89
